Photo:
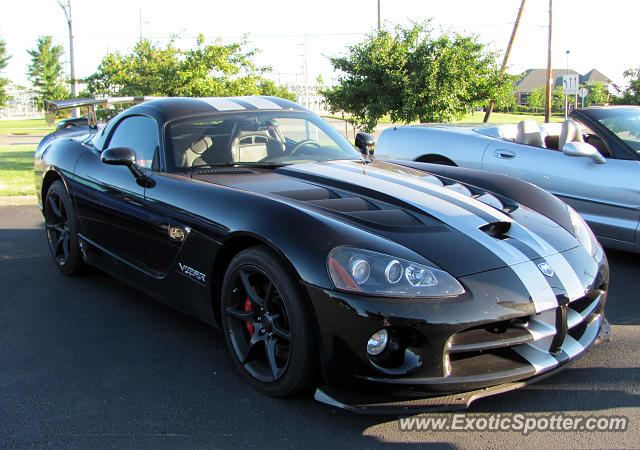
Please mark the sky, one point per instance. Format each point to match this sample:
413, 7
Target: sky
293, 34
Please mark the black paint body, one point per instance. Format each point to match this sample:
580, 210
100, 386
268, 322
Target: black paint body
146, 235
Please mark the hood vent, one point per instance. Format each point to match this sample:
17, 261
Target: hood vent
497, 230
360, 209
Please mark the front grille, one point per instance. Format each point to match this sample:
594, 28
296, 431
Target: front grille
524, 346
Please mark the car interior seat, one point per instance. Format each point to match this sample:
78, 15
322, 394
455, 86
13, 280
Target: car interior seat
570, 133
529, 133
255, 145
193, 154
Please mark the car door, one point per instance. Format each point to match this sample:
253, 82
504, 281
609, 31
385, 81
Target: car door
606, 195
112, 209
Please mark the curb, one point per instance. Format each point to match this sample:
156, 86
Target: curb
16, 200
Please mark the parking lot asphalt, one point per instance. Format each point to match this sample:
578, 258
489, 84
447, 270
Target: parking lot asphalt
89, 362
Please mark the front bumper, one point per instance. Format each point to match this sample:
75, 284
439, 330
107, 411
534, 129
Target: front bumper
397, 403
449, 352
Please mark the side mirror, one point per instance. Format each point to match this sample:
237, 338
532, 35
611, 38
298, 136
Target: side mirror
365, 143
583, 149
125, 156
119, 156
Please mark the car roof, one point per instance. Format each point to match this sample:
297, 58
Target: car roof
171, 108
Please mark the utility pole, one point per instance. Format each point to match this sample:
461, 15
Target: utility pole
66, 7
547, 106
506, 57
378, 16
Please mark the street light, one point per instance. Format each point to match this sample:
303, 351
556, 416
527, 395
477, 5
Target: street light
66, 7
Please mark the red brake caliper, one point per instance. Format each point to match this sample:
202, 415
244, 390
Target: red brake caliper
248, 308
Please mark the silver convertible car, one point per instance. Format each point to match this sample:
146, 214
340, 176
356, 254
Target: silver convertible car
591, 161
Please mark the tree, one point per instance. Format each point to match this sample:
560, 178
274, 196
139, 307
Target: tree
557, 100
536, 99
4, 58
412, 75
598, 93
630, 95
207, 70
506, 99
45, 70
268, 87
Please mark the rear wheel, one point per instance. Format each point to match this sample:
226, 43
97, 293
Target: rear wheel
61, 229
267, 324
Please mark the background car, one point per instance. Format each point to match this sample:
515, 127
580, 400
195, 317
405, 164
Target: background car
591, 161
73, 122
370, 281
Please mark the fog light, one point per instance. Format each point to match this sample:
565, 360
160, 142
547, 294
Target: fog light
378, 342
360, 270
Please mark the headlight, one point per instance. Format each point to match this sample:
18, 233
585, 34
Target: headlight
583, 233
368, 272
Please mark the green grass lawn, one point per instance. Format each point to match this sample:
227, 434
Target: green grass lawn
16, 169
477, 117
25, 126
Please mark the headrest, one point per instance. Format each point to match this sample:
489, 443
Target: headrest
201, 145
570, 133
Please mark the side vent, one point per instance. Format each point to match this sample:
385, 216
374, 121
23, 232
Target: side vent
497, 230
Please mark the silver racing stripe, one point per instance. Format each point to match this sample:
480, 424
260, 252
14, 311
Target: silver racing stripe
462, 220
222, 104
541, 248
538, 358
537, 285
260, 103
567, 276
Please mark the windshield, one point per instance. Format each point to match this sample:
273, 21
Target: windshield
253, 137
624, 123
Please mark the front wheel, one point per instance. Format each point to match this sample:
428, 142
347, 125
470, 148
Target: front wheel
61, 228
267, 324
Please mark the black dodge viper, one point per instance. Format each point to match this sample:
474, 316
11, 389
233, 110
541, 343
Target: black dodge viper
385, 286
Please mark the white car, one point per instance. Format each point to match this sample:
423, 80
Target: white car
591, 161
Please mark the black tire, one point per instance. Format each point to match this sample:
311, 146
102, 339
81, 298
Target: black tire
267, 324
61, 230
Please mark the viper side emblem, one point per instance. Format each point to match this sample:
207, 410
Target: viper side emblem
192, 273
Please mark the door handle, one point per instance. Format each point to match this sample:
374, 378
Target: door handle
504, 154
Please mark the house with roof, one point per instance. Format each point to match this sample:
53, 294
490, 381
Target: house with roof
535, 78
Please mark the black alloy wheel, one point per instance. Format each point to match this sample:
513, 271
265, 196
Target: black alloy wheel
60, 223
266, 324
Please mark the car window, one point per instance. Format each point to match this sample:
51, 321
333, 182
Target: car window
263, 137
626, 127
141, 134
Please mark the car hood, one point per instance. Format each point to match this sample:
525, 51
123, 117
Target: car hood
460, 228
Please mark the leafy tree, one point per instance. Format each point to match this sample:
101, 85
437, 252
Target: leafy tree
598, 93
4, 58
45, 70
207, 70
557, 100
506, 99
630, 95
410, 74
268, 87
536, 99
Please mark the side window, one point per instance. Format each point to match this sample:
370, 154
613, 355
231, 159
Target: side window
141, 134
